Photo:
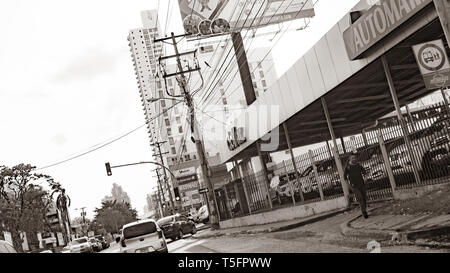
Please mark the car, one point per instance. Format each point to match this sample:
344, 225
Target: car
176, 226
102, 240
143, 236
81, 245
6, 247
203, 215
193, 216
96, 245
66, 249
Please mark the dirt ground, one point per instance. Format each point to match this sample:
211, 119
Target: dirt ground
435, 203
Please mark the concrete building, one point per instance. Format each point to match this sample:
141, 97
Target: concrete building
167, 119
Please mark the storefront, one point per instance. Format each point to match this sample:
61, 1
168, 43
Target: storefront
362, 69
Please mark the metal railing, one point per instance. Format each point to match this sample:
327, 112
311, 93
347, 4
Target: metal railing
318, 179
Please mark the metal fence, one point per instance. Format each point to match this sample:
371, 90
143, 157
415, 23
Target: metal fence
317, 178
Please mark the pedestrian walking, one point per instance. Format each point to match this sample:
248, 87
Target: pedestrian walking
354, 174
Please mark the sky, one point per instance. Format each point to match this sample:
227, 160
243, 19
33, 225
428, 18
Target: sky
67, 84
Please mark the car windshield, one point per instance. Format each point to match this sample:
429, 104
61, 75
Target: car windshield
165, 221
139, 230
92, 240
79, 241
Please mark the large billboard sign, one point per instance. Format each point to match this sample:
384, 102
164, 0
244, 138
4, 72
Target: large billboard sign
376, 23
215, 17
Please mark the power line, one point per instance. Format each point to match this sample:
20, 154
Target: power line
211, 88
270, 50
104, 145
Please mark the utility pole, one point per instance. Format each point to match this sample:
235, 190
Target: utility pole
214, 220
166, 180
160, 199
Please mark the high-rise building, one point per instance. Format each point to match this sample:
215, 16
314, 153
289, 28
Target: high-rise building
167, 119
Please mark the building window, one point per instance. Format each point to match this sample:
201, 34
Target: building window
178, 120
224, 100
169, 131
163, 103
255, 85
158, 83
161, 94
184, 148
166, 114
167, 122
174, 151
180, 130
171, 141
261, 73
264, 83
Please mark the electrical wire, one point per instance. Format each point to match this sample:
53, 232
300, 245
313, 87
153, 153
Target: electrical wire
268, 53
103, 145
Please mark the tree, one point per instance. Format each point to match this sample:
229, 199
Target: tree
23, 203
113, 215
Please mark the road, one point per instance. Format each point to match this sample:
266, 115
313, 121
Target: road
320, 237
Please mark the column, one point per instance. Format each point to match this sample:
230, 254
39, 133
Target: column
241, 173
337, 159
265, 172
290, 183
297, 176
387, 163
316, 175
400, 117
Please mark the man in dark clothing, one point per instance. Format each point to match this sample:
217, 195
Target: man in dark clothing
354, 174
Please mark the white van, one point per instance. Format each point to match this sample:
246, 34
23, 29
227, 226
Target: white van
143, 236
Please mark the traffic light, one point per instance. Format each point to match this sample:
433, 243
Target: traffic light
108, 169
177, 193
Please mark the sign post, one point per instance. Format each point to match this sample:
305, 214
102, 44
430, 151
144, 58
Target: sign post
433, 63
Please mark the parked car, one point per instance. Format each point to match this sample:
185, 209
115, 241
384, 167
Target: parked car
6, 247
203, 216
66, 249
143, 236
102, 240
176, 226
193, 216
96, 245
81, 245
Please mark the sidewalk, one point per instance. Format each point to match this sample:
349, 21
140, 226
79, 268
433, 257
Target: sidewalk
418, 228
268, 228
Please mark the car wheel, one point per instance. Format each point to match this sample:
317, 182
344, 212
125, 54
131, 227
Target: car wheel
194, 230
180, 234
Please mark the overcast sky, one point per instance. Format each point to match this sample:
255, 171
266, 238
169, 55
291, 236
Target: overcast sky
67, 84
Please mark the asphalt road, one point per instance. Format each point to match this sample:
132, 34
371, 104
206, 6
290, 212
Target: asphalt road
320, 237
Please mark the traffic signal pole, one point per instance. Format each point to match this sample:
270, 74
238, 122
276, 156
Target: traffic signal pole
214, 220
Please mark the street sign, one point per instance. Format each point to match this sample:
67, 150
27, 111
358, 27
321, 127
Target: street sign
433, 64
202, 191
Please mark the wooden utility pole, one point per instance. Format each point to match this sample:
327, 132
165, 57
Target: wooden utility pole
213, 217
166, 179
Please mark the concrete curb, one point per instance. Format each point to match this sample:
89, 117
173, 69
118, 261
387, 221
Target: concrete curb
401, 237
275, 229
381, 235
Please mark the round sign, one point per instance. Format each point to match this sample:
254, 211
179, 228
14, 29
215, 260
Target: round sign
205, 27
431, 57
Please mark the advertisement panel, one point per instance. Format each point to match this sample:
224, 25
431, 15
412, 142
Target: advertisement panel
376, 23
215, 17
